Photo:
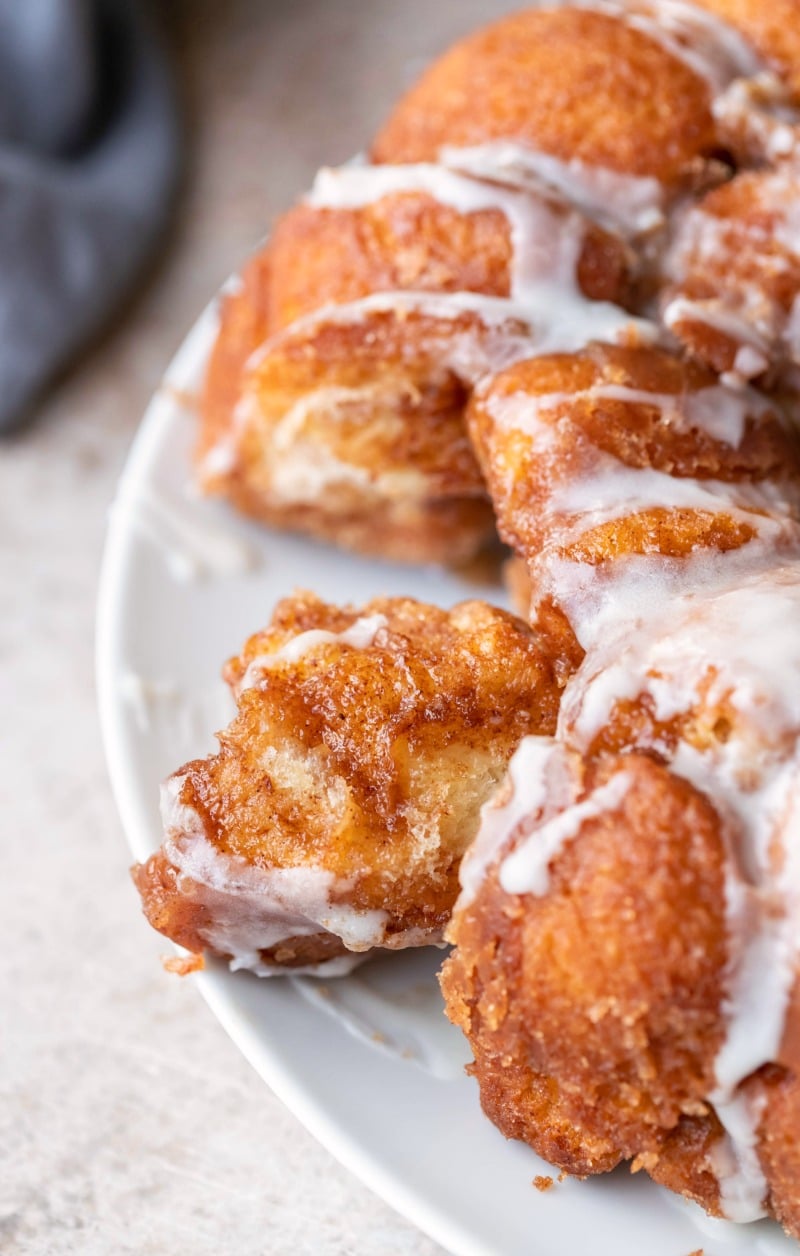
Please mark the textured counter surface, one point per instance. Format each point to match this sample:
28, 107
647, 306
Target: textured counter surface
128, 1121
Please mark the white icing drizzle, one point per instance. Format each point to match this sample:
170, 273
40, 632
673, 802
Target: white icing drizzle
737, 650
719, 317
628, 204
734, 1159
606, 489
527, 869
360, 635
252, 908
758, 118
538, 776
718, 411
546, 241
508, 331
714, 50
614, 491
745, 307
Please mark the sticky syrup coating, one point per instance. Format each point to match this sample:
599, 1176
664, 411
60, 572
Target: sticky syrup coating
683, 1163
593, 1020
395, 474
524, 480
773, 29
370, 763
735, 254
528, 980
573, 83
353, 438
712, 720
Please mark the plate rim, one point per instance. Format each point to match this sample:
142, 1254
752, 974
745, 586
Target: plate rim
341, 1144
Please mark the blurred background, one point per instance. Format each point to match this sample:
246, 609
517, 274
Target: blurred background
128, 1122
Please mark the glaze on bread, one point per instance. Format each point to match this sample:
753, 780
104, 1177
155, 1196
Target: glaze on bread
563, 295
334, 816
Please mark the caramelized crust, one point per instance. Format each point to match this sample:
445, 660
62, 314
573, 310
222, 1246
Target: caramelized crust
683, 1162
244, 323
365, 763
779, 1148
354, 432
573, 83
546, 426
735, 270
593, 1020
335, 814
353, 429
411, 241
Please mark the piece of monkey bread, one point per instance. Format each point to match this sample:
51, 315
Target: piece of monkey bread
333, 818
335, 394
627, 960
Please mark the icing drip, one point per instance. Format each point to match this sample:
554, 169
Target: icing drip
709, 46
734, 650
601, 489
507, 330
734, 1159
538, 777
253, 908
546, 242
718, 411
757, 117
527, 869
360, 635
628, 204
747, 307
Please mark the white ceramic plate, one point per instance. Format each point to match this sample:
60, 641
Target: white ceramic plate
373, 1069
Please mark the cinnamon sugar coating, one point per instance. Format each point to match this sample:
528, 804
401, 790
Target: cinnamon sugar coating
365, 763
595, 1015
734, 266
602, 417
593, 1020
570, 82
374, 456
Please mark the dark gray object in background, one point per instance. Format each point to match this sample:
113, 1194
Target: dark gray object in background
89, 148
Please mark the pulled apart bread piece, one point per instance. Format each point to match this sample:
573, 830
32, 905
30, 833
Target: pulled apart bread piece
621, 475
334, 400
334, 816
627, 962
455, 333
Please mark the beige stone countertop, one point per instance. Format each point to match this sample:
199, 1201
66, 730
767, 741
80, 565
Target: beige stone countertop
128, 1121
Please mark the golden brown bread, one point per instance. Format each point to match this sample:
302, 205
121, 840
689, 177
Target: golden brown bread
630, 481
680, 725
334, 816
593, 1021
348, 421
572, 83
594, 457
734, 270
